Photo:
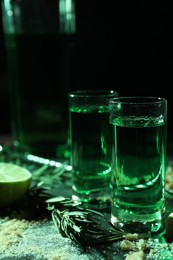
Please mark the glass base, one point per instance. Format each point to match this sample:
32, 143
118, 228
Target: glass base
94, 199
152, 224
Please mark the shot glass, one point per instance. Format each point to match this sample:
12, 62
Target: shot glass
138, 163
91, 138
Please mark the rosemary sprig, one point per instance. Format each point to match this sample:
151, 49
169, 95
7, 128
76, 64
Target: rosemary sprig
83, 225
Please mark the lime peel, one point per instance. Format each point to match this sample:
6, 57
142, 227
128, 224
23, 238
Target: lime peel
14, 182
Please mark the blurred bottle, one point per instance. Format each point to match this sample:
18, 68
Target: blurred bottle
40, 47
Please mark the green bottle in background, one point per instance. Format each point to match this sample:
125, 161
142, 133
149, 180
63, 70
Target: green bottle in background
39, 38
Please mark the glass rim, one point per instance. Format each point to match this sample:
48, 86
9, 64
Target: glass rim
137, 100
93, 93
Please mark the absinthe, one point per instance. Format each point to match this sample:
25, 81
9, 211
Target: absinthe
40, 69
138, 165
91, 148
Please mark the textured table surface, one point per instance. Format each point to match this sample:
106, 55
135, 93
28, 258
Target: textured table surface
25, 237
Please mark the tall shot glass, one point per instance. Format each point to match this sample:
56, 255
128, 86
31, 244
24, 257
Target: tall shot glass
91, 140
138, 163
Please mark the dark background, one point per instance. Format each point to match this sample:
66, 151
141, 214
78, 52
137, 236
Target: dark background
129, 49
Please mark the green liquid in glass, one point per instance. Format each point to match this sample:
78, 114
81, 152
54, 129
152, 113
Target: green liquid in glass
91, 136
138, 170
39, 67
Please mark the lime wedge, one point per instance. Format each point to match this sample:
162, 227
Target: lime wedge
14, 182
